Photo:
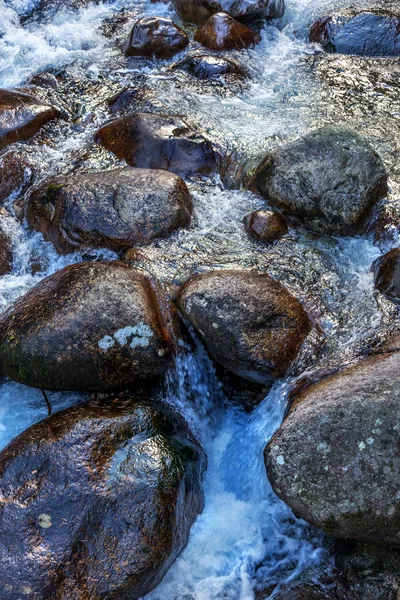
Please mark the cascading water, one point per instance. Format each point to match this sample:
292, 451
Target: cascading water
245, 539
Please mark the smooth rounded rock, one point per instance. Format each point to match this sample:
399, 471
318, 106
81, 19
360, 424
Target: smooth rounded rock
387, 274
222, 32
331, 200
89, 327
249, 323
198, 11
21, 116
97, 501
151, 141
335, 460
155, 37
113, 209
265, 225
203, 66
365, 33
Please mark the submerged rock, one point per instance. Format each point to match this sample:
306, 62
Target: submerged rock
205, 66
198, 11
249, 323
155, 37
113, 209
265, 225
387, 274
335, 200
90, 326
335, 459
21, 116
366, 33
97, 501
222, 32
153, 141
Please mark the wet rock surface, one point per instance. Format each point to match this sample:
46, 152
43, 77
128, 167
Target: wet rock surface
151, 141
21, 116
337, 200
366, 33
155, 37
114, 209
387, 274
249, 323
97, 501
203, 67
222, 32
16, 174
90, 326
265, 225
198, 11
6, 242
349, 421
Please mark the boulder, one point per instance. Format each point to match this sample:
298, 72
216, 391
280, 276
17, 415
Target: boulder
199, 11
97, 501
153, 141
21, 116
249, 323
335, 459
6, 242
265, 225
335, 200
155, 37
387, 274
89, 327
366, 33
222, 32
16, 174
204, 66
113, 209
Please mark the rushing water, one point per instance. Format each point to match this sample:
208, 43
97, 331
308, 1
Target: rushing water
245, 539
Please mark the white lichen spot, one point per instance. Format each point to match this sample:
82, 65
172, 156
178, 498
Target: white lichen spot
44, 521
280, 460
161, 352
215, 325
361, 445
26, 590
323, 447
370, 441
378, 422
106, 342
326, 468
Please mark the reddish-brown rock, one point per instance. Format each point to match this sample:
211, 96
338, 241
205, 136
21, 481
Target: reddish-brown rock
198, 11
155, 37
222, 32
265, 225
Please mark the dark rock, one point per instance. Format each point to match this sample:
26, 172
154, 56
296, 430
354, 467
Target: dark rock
16, 174
90, 326
97, 501
112, 209
45, 79
387, 274
6, 243
205, 66
21, 116
199, 11
154, 141
155, 37
249, 323
302, 593
265, 225
335, 200
222, 32
366, 33
335, 460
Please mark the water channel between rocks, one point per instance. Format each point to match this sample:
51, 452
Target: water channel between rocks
245, 539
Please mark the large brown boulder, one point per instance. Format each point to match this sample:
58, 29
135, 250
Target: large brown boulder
90, 326
113, 209
155, 37
335, 200
153, 141
96, 502
198, 11
366, 33
335, 460
387, 274
249, 323
21, 116
222, 32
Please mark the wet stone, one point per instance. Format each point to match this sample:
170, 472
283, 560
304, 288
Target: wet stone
16, 174
97, 501
199, 11
203, 66
265, 225
6, 242
222, 32
155, 37
387, 274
